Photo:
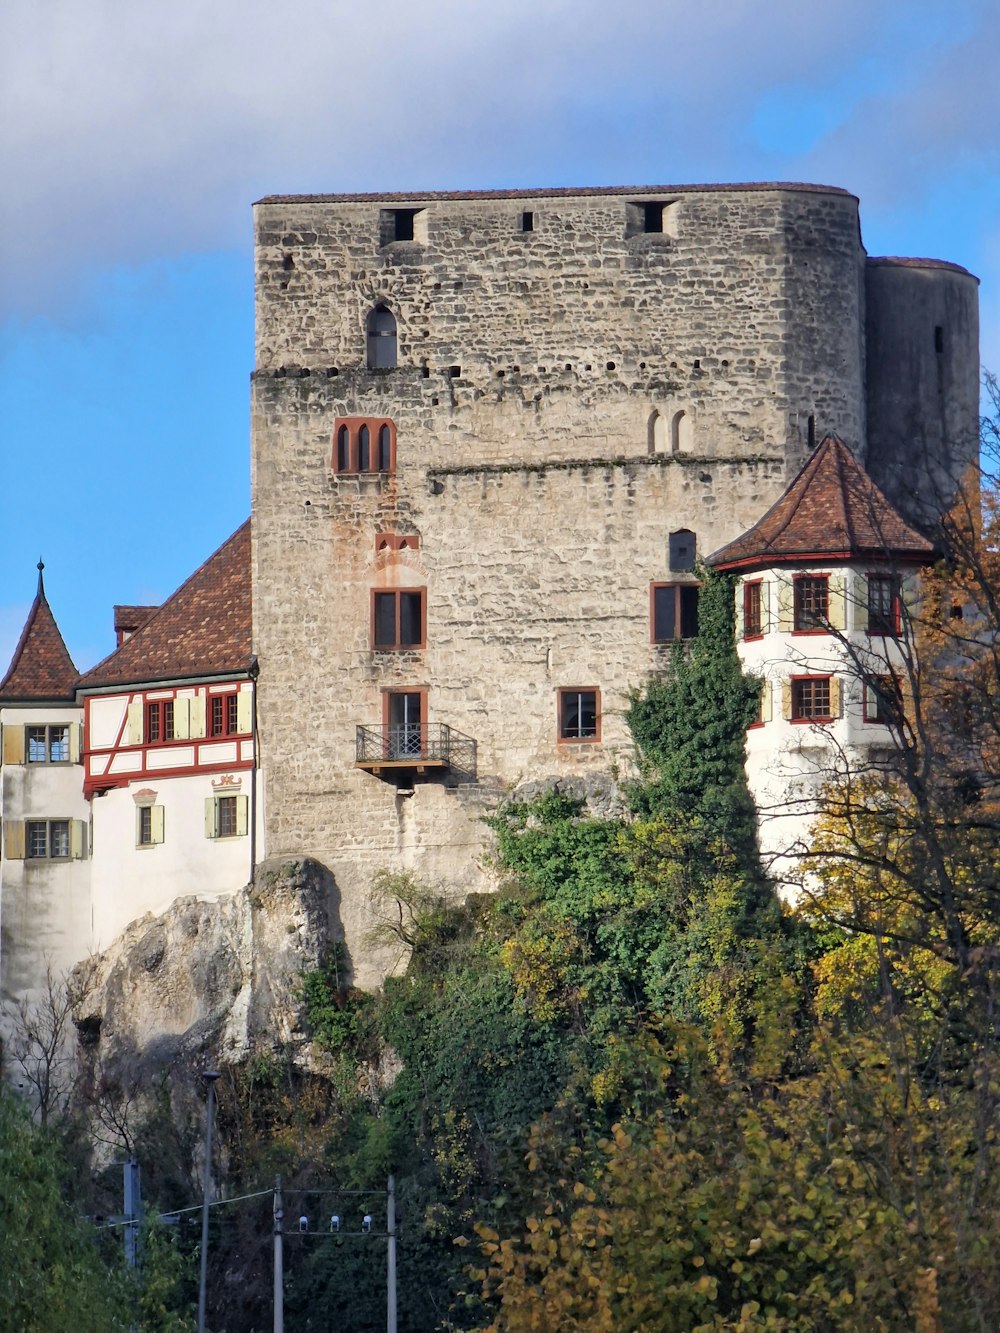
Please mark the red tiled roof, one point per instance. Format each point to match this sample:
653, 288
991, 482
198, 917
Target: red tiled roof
41, 668
203, 629
128, 619
831, 511
552, 192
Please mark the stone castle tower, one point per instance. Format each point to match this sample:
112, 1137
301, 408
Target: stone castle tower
490, 434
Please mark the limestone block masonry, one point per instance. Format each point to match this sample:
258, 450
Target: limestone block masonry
578, 375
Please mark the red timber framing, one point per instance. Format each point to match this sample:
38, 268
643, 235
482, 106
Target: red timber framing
144, 735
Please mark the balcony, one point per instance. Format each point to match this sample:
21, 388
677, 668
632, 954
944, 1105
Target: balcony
419, 749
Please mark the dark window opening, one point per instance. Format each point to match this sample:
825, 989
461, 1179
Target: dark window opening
364, 445
398, 619
883, 604
938, 339
398, 224
343, 450
652, 217
527, 222
811, 432
381, 335
674, 611
812, 603
226, 826
578, 715
364, 449
811, 698
883, 700
682, 548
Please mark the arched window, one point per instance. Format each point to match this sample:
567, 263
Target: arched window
343, 450
384, 449
657, 434
364, 449
381, 329
364, 445
681, 434
682, 548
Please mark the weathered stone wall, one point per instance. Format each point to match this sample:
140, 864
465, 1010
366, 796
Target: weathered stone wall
531, 364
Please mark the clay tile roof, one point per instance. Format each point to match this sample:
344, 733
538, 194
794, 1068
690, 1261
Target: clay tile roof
831, 511
554, 192
42, 668
128, 619
203, 629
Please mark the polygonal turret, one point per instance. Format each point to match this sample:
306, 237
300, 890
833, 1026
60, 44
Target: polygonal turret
41, 670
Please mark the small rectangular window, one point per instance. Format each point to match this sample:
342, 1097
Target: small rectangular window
753, 624
812, 602
145, 833
811, 699
674, 611
402, 224
47, 839
152, 722
227, 816
579, 715
398, 619
527, 221
883, 700
883, 604
48, 745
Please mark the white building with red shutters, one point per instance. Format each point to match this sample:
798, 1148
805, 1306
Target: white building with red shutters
134, 784
822, 582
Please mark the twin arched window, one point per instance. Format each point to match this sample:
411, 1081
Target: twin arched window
380, 328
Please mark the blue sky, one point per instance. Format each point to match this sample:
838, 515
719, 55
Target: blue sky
135, 136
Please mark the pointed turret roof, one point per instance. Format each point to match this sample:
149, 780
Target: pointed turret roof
203, 629
831, 511
42, 669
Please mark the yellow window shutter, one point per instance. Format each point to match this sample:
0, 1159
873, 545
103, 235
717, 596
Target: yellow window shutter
209, 816
740, 625
766, 702
197, 716
859, 600
786, 699
765, 606
13, 744
13, 838
182, 719
75, 742
837, 603
785, 603
77, 839
909, 595
156, 822
244, 711
835, 696
242, 814
134, 727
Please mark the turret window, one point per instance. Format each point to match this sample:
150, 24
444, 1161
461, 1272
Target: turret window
883, 604
811, 699
753, 611
812, 603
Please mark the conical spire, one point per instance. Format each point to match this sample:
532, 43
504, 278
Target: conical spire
42, 668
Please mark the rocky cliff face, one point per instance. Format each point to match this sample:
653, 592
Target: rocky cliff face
206, 981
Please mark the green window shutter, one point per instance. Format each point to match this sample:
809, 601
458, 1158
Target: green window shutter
13, 837
134, 728
837, 604
786, 699
244, 711
909, 595
182, 719
156, 822
766, 702
209, 816
77, 839
242, 815
197, 716
13, 744
75, 742
786, 606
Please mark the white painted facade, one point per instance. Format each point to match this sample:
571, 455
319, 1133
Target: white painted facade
789, 756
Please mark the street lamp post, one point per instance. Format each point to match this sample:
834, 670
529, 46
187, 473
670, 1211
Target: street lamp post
210, 1076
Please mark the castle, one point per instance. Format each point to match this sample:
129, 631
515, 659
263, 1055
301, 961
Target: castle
492, 433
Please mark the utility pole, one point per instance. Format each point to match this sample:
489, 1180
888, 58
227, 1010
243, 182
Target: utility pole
210, 1075
390, 1227
133, 1212
279, 1275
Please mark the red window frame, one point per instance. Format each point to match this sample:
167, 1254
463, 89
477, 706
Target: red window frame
881, 623
753, 609
227, 721
810, 614
564, 700
397, 595
814, 687
159, 722
681, 611
364, 445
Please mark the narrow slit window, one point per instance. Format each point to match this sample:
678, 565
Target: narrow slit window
527, 221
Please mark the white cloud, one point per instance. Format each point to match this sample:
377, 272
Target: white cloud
137, 130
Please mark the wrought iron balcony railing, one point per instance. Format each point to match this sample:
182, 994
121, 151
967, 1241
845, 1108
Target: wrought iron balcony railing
434, 745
